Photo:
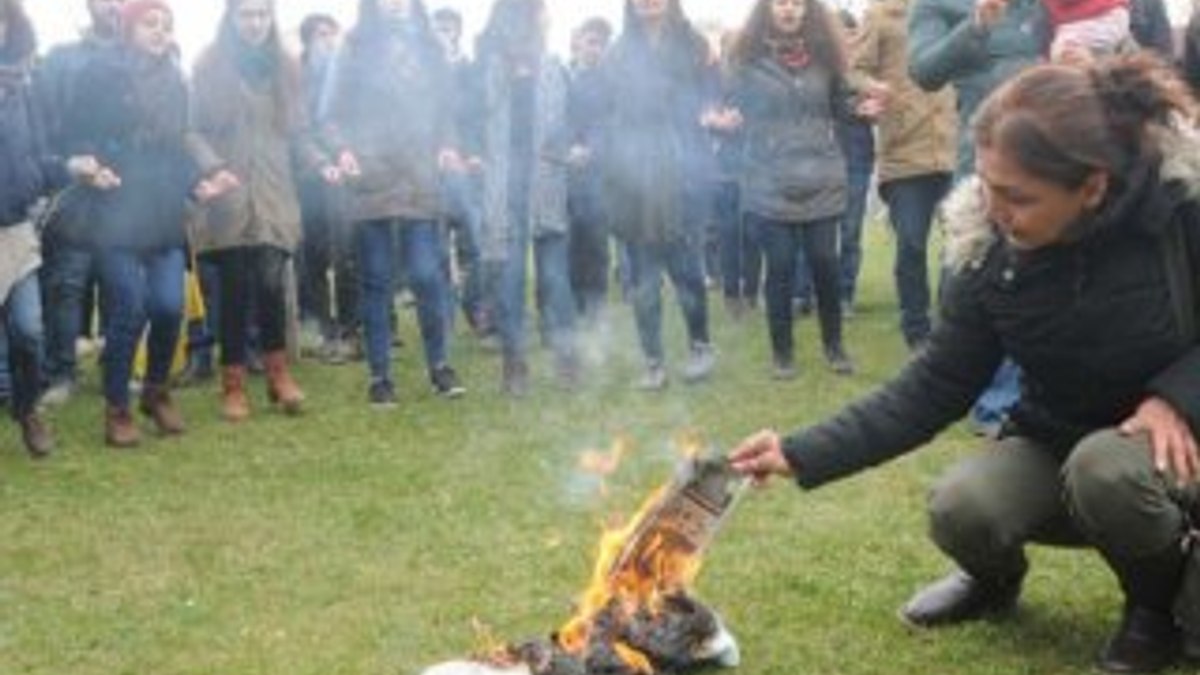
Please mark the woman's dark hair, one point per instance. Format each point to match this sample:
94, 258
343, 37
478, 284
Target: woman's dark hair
222, 62
1064, 123
311, 24
820, 31
684, 46
372, 29
20, 42
513, 28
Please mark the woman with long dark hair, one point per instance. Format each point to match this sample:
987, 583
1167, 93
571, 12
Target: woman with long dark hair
246, 106
1075, 251
523, 141
388, 115
789, 91
657, 81
135, 125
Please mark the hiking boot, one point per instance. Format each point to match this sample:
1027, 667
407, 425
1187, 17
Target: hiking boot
839, 361
120, 430
654, 379
515, 377
235, 407
445, 382
281, 388
36, 435
958, 598
156, 404
382, 394
700, 363
1147, 641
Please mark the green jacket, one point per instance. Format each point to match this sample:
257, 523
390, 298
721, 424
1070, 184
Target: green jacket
945, 48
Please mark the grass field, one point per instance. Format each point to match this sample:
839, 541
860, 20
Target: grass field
367, 542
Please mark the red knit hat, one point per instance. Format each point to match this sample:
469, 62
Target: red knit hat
133, 11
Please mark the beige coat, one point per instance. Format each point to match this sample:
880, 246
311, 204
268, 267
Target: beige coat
918, 133
265, 211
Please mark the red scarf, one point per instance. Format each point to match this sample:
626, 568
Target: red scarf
790, 52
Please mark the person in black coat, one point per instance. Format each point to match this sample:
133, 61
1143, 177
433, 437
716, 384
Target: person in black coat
1076, 251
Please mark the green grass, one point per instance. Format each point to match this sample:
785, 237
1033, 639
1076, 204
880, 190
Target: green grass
355, 541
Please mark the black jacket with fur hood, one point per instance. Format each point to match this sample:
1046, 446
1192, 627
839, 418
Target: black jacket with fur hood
1092, 324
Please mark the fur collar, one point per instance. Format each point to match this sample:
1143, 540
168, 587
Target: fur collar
969, 236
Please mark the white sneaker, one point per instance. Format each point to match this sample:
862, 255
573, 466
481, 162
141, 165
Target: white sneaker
58, 394
654, 379
700, 362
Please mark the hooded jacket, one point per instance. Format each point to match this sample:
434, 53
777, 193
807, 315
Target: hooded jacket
1091, 323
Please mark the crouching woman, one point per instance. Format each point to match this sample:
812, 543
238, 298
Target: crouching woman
1075, 251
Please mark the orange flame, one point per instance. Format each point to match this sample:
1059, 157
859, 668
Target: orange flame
636, 660
603, 464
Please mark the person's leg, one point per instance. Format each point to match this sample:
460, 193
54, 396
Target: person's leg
646, 265
982, 513
780, 243
65, 275
820, 241
551, 255
164, 310
685, 266
234, 289
511, 291
375, 262
270, 267
850, 237
123, 288
802, 289
423, 252
732, 248
24, 328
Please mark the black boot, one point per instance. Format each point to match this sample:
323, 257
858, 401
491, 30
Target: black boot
960, 597
1148, 640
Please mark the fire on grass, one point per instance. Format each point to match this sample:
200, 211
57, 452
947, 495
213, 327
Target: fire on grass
637, 615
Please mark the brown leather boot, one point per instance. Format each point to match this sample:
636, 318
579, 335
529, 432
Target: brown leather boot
120, 431
235, 407
38, 440
281, 388
156, 404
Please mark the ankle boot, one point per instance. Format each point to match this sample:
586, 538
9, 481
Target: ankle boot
1147, 640
281, 388
235, 407
36, 435
960, 597
120, 431
156, 404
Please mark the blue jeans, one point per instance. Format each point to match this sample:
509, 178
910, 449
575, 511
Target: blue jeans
911, 205
782, 241
462, 199
136, 288
553, 287
683, 263
421, 248
65, 278
741, 252
23, 328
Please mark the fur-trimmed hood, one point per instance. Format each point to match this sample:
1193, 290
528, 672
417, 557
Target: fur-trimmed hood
969, 235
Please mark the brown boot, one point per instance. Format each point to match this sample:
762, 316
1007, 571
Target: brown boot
281, 388
38, 440
156, 404
235, 407
120, 431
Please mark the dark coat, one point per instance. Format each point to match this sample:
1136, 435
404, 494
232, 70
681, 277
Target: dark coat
652, 154
793, 167
1091, 324
391, 105
27, 171
133, 117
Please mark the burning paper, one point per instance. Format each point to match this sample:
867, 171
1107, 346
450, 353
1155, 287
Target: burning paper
637, 615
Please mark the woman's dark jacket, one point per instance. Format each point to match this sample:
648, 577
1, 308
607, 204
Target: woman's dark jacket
652, 152
1091, 324
793, 168
132, 115
27, 172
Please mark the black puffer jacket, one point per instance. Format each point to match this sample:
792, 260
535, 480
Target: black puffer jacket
1091, 324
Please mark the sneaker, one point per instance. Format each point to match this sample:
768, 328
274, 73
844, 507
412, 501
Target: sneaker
445, 382
700, 362
382, 394
785, 369
654, 379
839, 362
58, 394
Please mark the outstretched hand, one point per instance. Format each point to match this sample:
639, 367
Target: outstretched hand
760, 456
1171, 439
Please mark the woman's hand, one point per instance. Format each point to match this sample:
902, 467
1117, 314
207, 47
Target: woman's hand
347, 165
760, 456
216, 185
449, 161
1171, 439
89, 171
724, 120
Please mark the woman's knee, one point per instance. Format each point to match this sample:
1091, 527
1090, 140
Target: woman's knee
962, 510
1104, 472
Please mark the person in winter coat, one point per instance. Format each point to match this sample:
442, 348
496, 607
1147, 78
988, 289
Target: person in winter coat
68, 271
246, 107
134, 127
788, 91
26, 175
525, 148
387, 115
657, 83
1086, 207
917, 134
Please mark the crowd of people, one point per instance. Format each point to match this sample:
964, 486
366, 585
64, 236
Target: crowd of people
383, 158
